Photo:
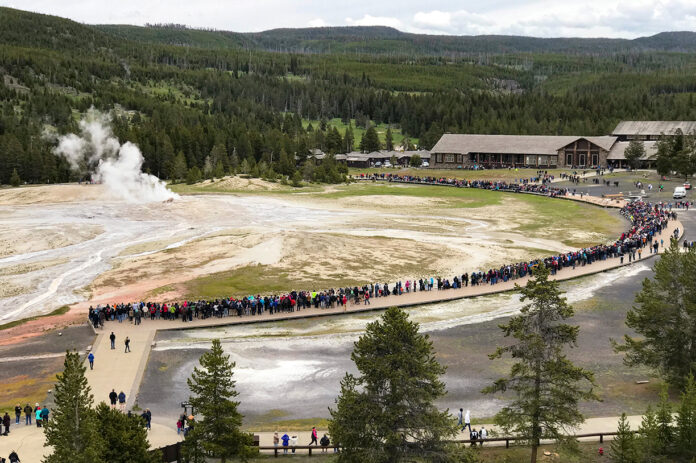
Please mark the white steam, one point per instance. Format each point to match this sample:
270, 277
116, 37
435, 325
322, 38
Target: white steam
119, 167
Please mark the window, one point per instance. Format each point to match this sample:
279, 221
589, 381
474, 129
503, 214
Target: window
459, 159
449, 157
581, 161
569, 159
595, 159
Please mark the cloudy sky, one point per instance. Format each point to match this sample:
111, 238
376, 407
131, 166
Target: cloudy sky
559, 18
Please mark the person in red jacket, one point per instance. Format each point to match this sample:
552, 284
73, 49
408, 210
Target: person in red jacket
314, 436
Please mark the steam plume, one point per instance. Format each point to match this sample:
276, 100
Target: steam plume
97, 152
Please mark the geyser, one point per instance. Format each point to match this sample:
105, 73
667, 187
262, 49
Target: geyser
119, 167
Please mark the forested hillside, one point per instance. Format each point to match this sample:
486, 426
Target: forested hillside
225, 106
386, 40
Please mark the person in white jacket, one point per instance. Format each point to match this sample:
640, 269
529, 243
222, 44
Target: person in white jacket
467, 421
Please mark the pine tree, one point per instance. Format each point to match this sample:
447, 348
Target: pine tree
634, 151
686, 421
15, 181
665, 318
124, 436
648, 432
217, 433
546, 385
389, 140
664, 432
348, 139
179, 168
297, 179
370, 141
387, 412
194, 175
624, 448
72, 431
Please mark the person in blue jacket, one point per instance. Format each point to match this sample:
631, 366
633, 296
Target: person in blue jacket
90, 357
286, 440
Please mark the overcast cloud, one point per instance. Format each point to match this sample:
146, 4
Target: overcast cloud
560, 18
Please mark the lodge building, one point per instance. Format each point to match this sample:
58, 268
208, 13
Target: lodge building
467, 151
464, 151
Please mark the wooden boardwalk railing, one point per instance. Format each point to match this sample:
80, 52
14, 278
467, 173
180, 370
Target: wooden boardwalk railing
171, 453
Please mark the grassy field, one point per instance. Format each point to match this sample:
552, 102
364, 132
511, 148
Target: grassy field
254, 279
59, 311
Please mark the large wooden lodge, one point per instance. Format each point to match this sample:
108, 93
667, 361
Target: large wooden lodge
466, 151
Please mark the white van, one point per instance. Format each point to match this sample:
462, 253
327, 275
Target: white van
679, 192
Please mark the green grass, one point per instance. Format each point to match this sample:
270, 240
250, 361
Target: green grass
557, 215
459, 197
58, 311
253, 279
276, 420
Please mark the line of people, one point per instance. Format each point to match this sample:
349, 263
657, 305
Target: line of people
647, 222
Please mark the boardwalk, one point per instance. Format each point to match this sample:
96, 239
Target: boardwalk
115, 369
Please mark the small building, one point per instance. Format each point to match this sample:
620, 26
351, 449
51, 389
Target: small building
651, 130
464, 151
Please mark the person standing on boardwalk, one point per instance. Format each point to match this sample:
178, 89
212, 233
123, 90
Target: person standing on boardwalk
112, 398
90, 357
467, 421
314, 436
460, 418
112, 337
122, 400
127, 343
28, 412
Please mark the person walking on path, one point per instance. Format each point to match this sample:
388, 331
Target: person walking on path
122, 401
37, 415
460, 418
44, 415
127, 343
14, 458
90, 357
6, 421
112, 337
112, 398
467, 421
18, 413
314, 436
28, 412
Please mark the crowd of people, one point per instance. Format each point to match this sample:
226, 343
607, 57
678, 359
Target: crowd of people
647, 222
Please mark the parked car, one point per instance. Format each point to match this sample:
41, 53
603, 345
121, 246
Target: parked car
387, 164
687, 186
679, 192
425, 164
378, 164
